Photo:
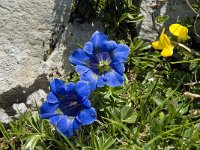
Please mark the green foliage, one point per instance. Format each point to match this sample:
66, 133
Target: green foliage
140, 55
150, 111
161, 19
101, 5
118, 16
142, 114
196, 6
156, 108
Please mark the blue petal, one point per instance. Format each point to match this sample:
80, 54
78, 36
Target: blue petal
120, 54
101, 82
99, 39
65, 126
76, 124
81, 69
78, 57
88, 48
114, 79
91, 77
85, 103
51, 98
57, 87
69, 87
110, 45
119, 67
47, 110
87, 116
82, 89
55, 119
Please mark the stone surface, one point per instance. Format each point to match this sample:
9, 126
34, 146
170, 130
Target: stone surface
36, 39
176, 10
19, 107
4, 116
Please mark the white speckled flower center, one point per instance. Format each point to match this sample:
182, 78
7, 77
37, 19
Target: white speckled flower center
104, 66
100, 63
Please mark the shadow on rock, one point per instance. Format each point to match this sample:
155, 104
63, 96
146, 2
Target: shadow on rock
20, 94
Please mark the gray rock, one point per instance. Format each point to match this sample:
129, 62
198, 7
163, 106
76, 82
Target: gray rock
19, 107
4, 116
176, 11
36, 39
36, 98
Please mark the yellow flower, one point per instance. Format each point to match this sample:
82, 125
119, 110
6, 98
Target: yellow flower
180, 31
164, 44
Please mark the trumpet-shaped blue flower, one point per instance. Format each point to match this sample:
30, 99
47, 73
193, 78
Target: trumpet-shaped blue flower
67, 106
101, 61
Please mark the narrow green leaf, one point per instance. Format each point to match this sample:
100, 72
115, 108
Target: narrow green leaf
30, 144
108, 143
127, 16
4, 132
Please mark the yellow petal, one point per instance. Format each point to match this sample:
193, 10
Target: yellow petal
165, 41
157, 45
183, 35
180, 31
162, 34
175, 29
167, 52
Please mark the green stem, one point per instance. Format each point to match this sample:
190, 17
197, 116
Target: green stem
185, 61
183, 46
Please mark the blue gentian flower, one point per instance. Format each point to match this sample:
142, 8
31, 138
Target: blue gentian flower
101, 61
67, 106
